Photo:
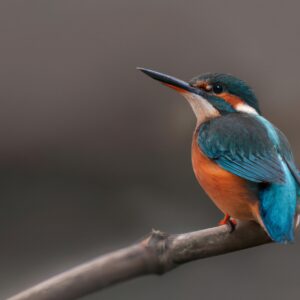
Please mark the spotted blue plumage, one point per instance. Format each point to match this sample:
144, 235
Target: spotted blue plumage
249, 146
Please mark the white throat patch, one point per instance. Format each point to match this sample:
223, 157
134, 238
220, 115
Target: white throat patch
201, 107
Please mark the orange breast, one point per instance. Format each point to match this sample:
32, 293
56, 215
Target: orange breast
231, 194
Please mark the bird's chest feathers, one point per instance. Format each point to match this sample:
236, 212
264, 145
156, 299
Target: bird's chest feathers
206, 170
227, 190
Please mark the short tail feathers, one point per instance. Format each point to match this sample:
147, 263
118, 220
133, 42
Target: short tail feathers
278, 208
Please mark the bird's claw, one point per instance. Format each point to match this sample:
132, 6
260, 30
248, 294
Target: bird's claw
229, 221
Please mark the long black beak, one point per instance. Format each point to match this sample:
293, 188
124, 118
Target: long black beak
170, 81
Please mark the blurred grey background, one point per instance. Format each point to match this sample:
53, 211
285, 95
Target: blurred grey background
94, 154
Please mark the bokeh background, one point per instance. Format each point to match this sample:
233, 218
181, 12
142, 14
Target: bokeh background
94, 154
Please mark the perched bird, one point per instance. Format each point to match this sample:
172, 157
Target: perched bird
242, 161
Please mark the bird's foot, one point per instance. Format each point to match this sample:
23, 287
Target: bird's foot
227, 220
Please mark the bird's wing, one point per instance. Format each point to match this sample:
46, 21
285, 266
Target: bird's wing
243, 145
286, 153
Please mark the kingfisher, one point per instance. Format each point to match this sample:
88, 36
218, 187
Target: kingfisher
241, 160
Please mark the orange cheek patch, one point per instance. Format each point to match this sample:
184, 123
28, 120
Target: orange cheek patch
233, 100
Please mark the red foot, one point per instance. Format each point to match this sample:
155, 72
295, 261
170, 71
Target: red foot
233, 221
227, 220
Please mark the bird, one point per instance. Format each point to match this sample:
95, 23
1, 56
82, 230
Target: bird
241, 160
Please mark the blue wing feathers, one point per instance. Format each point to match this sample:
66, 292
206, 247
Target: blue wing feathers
252, 148
285, 150
241, 145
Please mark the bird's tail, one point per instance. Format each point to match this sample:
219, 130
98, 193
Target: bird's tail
278, 208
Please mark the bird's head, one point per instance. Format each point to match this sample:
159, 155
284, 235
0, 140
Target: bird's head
212, 94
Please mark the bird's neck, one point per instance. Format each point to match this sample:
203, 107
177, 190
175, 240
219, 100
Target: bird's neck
202, 109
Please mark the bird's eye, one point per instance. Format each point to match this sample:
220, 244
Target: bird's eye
217, 88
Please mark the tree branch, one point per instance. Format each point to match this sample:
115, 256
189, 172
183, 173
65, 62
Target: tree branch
156, 254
